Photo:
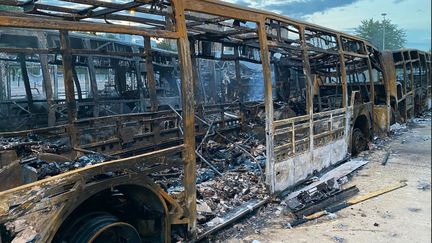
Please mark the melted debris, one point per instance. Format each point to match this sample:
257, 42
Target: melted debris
241, 161
223, 195
45, 169
25, 146
30, 148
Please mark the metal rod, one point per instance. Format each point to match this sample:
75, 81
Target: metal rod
208, 163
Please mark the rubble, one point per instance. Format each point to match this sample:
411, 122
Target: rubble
338, 239
43, 157
234, 179
25, 146
424, 118
241, 159
45, 169
398, 128
423, 186
414, 210
225, 195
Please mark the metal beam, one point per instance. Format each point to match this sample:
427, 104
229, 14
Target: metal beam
43, 43
268, 99
68, 77
188, 105
24, 21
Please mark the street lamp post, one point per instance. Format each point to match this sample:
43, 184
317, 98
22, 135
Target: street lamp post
384, 29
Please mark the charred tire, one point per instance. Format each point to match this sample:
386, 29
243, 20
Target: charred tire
100, 227
359, 141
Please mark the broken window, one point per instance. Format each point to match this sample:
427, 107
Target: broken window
26, 78
320, 40
292, 130
327, 78
400, 81
109, 70
351, 45
328, 91
377, 76
358, 79
415, 60
357, 70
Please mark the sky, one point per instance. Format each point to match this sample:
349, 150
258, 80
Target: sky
414, 16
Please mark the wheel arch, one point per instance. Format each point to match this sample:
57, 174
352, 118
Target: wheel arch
363, 121
139, 190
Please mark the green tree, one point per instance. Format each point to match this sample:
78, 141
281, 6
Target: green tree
373, 30
165, 45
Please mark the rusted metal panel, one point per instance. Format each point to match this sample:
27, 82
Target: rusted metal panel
344, 74
381, 119
221, 9
265, 59
43, 43
389, 66
188, 105
68, 77
55, 24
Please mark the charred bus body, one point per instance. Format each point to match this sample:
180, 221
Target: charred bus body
107, 74
409, 83
127, 132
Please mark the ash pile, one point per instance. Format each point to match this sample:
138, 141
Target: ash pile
39, 158
230, 174
239, 163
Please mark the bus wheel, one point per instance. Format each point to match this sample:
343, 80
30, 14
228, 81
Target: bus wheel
101, 227
359, 141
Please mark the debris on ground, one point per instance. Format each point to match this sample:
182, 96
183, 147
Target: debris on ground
386, 158
268, 215
236, 179
337, 173
332, 216
423, 186
342, 226
398, 128
387, 215
338, 239
424, 118
414, 210
223, 195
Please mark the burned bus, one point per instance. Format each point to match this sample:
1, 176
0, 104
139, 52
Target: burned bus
154, 120
409, 83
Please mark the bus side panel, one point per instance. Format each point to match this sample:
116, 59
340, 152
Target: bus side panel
330, 147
